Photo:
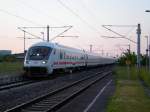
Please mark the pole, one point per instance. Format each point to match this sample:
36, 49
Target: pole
47, 33
24, 40
147, 53
147, 59
129, 48
138, 46
91, 48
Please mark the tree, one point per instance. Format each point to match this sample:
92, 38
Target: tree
127, 56
132, 57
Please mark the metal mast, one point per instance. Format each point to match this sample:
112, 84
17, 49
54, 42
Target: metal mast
138, 46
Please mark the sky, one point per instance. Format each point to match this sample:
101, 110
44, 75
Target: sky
86, 18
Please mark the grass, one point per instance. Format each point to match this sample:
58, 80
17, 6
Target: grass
10, 67
145, 76
124, 73
129, 95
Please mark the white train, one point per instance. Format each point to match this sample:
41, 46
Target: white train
43, 58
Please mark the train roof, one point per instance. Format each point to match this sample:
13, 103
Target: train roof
43, 44
59, 46
56, 45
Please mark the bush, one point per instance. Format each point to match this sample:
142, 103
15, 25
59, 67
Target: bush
9, 58
145, 76
1, 58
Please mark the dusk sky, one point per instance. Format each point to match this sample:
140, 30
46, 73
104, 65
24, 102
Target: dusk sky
86, 17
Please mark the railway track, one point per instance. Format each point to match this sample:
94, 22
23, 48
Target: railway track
19, 81
15, 84
55, 99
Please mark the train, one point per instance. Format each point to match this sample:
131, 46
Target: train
43, 58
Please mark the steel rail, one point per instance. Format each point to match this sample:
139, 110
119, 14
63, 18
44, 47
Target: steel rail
31, 103
15, 84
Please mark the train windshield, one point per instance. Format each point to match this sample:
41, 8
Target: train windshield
39, 53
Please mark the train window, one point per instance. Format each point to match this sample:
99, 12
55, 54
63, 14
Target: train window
61, 55
39, 53
64, 55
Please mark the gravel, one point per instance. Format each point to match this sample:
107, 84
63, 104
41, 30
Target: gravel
15, 96
10, 78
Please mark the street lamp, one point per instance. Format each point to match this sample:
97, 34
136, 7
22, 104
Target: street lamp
147, 10
149, 44
146, 52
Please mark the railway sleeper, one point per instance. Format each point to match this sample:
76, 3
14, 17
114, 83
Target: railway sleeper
36, 109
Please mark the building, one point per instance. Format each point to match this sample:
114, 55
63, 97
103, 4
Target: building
5, 52
19, 56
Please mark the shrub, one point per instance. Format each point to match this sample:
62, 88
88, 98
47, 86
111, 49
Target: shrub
9, 58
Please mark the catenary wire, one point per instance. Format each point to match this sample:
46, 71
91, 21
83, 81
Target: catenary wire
78, 16
20, 17
41, 12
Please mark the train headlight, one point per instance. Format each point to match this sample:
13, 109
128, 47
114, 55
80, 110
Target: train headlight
44, 62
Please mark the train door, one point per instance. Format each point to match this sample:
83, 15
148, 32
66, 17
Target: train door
53, 59
62, 59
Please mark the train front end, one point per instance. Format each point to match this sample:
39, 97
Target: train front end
37, 62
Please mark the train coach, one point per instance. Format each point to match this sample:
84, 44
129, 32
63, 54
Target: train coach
44, 58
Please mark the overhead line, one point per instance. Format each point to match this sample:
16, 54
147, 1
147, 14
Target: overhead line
39, 11
120, 37
61, 33
42, 12
90, 12
19, 17
121, 25
86, 8
37, 37
81, 19
112, 31
129, 31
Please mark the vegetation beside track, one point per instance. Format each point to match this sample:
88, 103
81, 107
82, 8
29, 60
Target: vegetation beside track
10, 67
129, 95
145, 76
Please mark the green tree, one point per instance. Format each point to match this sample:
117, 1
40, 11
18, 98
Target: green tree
132, 57
127, 56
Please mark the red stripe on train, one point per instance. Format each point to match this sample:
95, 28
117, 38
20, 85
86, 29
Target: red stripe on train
65, 62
